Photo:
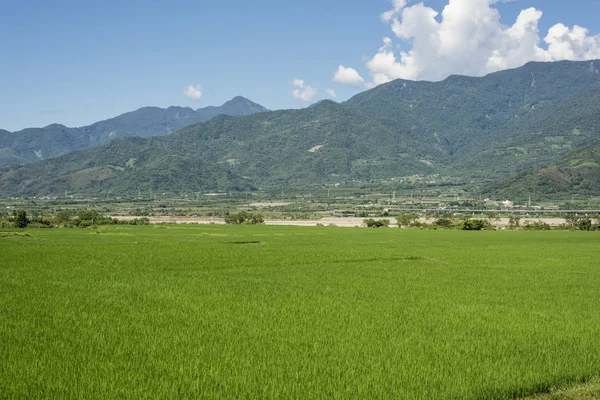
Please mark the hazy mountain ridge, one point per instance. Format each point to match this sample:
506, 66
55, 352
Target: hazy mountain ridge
33, 144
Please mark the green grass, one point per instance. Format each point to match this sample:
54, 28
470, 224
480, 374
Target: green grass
286, 312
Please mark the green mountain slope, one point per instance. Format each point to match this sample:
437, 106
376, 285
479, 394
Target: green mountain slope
576, 173
312, 145
464, 116
544, 137
33, 144
122, 166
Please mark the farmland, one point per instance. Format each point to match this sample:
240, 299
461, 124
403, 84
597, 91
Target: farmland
211, 311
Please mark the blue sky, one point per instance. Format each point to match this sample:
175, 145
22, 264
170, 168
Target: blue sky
77, 62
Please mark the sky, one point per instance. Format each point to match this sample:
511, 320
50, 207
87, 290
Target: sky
76, 62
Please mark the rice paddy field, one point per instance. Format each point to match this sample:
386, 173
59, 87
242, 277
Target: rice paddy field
290, 312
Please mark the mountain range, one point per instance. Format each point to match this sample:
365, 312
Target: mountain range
34, 144
477, 130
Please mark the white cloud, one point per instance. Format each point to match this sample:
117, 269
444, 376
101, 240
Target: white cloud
572, 44
348, 76
468, 38
398, 6
193, 92
331, 94
303, 92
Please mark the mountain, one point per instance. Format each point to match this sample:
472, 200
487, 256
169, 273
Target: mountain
464, 116
576, 173
236, 106
125, 166
475, 130
311, 145
33, 144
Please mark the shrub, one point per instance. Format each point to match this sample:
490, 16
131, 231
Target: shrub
406, 220
585, 224
20, 219
443, 222
371, 223
475, 225
536, 226
244, 218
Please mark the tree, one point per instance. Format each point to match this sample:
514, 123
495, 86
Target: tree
585, 224
371, 223
475, 225
572, 221
514, 222
443, 222
406, 219
20, 219
245, 218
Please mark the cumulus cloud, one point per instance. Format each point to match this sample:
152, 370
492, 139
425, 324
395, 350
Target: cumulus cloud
348, 76
331, 94
303, 92
193, 92
398, 6
468, 38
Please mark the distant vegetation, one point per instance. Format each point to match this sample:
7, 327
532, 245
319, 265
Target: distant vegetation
372, 223
244, 218
66, 218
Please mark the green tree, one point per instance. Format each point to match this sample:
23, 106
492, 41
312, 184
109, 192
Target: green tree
572, 221
514, 222
20, 219
475, 225
245, 218
585, 224
443, 222
406, 220
372, 223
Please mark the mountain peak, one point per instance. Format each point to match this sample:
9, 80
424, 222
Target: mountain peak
237, 106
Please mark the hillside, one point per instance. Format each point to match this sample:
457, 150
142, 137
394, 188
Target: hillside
544, 137
464, 116
472, 129
33, 144
124, 166
577, 173
311, 145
